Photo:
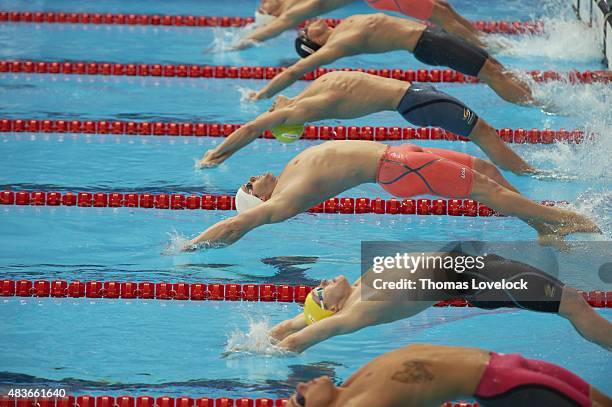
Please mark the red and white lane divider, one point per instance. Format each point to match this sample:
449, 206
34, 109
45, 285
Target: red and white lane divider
149, 401
182, 291
345, 205
372, 133
269, 72
499, 27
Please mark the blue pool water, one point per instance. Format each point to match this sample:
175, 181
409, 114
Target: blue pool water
119, 347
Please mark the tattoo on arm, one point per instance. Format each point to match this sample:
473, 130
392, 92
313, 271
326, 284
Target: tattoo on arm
413, 372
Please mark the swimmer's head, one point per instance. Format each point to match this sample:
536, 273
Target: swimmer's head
288, 133
255, 192
319, 392
311, 38
326, 299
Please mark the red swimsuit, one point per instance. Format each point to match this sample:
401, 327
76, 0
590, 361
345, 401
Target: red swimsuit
421, 9
408, 170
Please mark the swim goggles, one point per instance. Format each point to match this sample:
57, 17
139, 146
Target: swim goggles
319, 292
300, 400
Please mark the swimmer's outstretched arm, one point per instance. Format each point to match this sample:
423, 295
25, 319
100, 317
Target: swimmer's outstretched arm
339, 324
285, 21
243, 136
231, 230
296, 71
286, 328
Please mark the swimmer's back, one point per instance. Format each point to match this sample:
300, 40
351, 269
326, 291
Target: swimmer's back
375, 33
355, 94
420, 375
330, 168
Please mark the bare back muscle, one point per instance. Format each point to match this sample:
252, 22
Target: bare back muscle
374, 34
326, 170
418, 375
347, 95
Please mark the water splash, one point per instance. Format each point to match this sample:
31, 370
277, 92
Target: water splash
247, 105
587, 101
177, 245
598, 206
225, 39
254, 341
563, 38
587, 160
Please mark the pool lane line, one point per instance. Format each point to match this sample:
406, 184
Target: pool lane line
66, 17
269, 72
311, 132
182, 291
152, 401
342, 205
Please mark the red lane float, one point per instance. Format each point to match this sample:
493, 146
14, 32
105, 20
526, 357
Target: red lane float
150, 290
150, 401
182, 291
377, 133
344, 205
499, 27
269, 72
136, 19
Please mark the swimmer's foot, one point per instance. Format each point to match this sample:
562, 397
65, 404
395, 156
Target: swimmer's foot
549, 107
552, 235
550, 175
580, 225
555, 241
548, 237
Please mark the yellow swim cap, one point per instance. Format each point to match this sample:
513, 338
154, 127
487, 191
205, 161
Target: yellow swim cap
313, 311
288, 133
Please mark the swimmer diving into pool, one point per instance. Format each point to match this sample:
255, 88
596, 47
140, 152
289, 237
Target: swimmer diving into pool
282, 15
429, 375
336, 307
349, 95
320, 45
326, 170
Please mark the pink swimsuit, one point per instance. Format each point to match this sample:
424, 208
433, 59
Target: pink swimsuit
421, 9
512, 380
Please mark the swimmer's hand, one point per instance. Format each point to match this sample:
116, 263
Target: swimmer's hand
194, 246
210, 160
252, 96
242, 43
230, 352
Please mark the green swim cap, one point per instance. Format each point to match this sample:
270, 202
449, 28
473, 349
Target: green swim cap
288, 133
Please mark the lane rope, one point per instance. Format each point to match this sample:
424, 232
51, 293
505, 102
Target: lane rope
344, 205
182, 291
498, 27
193, 129
269, 72
150, 401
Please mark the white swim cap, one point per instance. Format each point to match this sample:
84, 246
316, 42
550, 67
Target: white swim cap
246, 201
263, 18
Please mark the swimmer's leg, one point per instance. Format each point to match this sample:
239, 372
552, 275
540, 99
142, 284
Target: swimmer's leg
598, 398
505, 83
561, 221
424, 105
497, 150
448, 19
487, 168
588, 322
482, 166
